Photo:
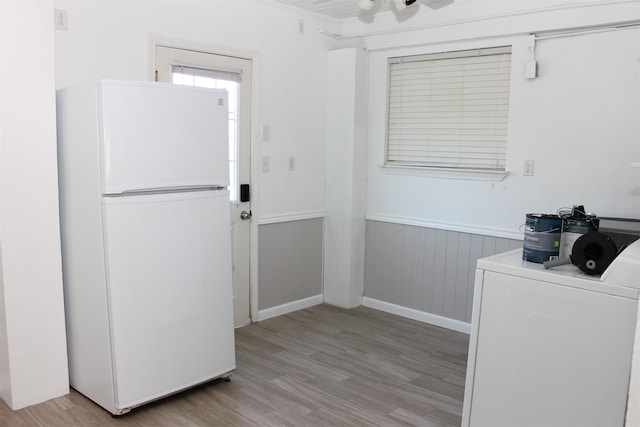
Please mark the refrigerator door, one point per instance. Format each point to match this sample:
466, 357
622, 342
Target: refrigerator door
156, 135
169, 292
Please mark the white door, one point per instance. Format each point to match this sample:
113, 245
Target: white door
194, 68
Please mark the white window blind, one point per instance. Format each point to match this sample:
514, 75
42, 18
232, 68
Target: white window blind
229, 75
449, 110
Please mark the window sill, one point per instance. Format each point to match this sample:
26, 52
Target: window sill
468, 174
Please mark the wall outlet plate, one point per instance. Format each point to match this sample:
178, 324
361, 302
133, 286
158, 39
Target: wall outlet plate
60, 19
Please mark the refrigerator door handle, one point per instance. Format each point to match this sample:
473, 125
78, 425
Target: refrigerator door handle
166, 190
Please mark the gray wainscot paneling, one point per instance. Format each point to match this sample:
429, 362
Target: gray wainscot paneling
289, 262
426, 269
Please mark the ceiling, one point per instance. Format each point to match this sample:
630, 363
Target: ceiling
339, 9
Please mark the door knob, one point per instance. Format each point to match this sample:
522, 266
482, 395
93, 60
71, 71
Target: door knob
245, 215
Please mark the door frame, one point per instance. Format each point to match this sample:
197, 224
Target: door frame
254, 57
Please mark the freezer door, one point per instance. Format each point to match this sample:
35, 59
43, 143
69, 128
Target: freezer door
169, 292
157, 135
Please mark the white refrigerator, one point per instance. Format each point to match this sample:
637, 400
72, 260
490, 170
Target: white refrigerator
146, 244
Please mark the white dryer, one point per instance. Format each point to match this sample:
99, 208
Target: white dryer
551, 347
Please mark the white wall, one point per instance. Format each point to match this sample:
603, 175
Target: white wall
33, 354
578, 121
111, 39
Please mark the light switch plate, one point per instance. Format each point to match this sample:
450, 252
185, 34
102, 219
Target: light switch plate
265, 133
527, 169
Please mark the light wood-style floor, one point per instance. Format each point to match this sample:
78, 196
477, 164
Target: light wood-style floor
323, 366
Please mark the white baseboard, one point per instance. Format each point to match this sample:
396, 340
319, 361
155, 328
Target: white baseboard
289, 307
410, 313
420, 316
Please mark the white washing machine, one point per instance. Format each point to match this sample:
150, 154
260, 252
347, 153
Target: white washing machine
551, 347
